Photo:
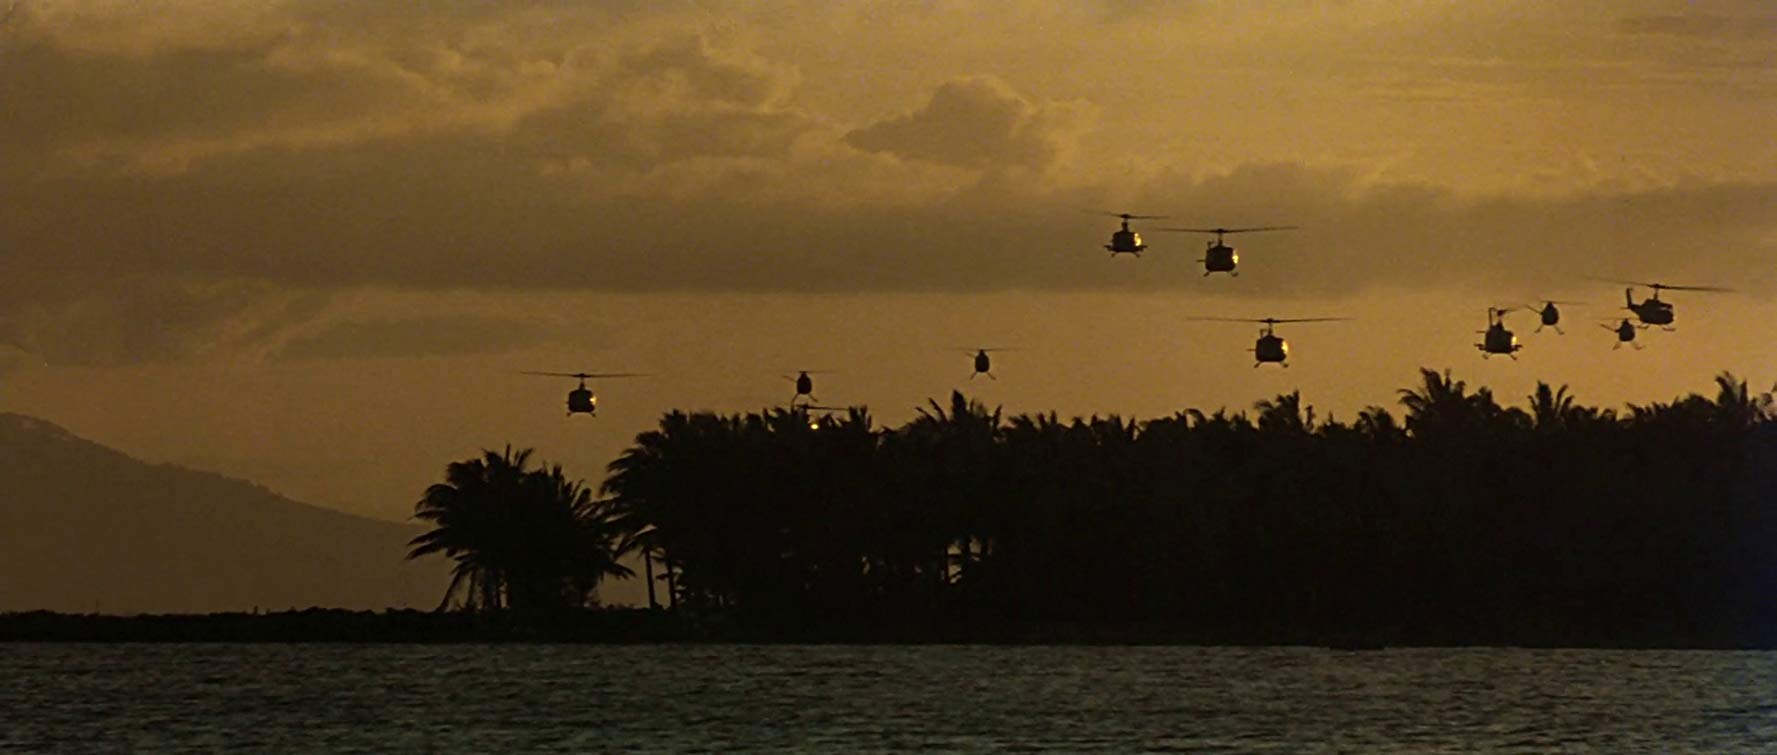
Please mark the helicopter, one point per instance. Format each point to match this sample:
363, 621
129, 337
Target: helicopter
1625, 333
984, 363
1496, 339
1270, 347
1125, 241
804, 385
1218, 257
1550, 314
816, 423
1652, 311
582, 400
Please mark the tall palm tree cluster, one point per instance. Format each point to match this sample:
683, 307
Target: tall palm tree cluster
529, 540
1464, 519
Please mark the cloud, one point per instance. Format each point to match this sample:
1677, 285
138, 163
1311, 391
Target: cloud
439, 335
978, 122
1700, 25
658, 102
145, 319
199, 186
248, 91
402, 218
105, 86
686, 70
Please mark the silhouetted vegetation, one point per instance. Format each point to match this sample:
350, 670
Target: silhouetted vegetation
1462, 521
612, 625
528, 540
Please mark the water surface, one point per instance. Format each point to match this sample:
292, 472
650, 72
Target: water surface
691, 698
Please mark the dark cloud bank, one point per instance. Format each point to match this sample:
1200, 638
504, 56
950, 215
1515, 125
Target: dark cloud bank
679, 167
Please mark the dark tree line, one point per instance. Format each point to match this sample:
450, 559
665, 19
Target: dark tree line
1460, 520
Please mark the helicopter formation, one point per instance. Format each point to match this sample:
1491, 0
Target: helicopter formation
1218, 256
1648, 313
1270, 348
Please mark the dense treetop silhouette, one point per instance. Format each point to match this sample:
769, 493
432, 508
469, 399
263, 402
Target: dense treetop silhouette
1461, 520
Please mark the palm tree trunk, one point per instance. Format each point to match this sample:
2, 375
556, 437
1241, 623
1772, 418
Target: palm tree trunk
490, 590
648, 572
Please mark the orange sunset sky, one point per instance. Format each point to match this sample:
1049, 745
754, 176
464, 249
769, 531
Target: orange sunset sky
313, 244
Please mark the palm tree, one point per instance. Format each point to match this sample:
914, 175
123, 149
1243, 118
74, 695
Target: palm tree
1736, 408
1377, 424
571, 541
522, 539
1444, 409
961, 450
1443, 404
466, 512
1285, 414
628, 480
1549, 409
639, 537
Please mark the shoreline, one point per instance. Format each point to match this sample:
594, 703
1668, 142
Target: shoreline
640, 626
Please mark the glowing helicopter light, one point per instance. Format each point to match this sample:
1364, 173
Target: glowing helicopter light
581, 400
1270, 347
1497, 339
1218, 256
1125, 240
822, 422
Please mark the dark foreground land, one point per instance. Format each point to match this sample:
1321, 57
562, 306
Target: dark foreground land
642, 626
1469, 523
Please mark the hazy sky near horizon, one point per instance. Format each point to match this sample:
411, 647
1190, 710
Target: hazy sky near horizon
312, 243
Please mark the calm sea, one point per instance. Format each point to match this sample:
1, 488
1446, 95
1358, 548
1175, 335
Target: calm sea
468, 698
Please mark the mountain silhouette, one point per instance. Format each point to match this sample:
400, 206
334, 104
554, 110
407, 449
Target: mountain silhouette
85, 528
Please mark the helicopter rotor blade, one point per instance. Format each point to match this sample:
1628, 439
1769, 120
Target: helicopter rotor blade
1224, 231
1126, 215
1657, 286
1617, 281
1269, 320
587, 375
1709, 289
